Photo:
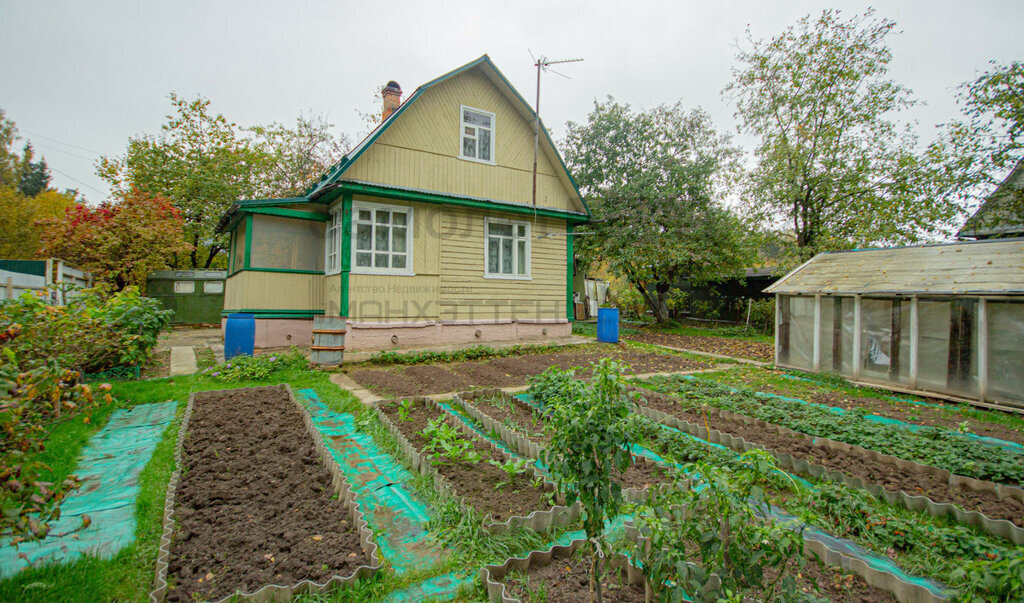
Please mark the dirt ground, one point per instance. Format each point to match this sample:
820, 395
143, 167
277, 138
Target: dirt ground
255, 506
426, 379
740, 348
482, 485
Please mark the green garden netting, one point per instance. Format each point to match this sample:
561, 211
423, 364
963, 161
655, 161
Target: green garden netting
109, 468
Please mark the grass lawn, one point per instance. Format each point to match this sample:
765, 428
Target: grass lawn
687, 329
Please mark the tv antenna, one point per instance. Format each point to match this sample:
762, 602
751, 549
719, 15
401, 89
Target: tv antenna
542, 63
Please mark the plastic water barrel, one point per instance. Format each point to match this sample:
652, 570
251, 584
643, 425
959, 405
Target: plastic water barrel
239, 335
608, 325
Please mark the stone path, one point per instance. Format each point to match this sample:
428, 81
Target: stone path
183, 361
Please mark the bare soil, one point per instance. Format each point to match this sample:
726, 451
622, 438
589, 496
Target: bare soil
426, 379
727, 346
254, 505
851, 463
568, 580
519, 416
476, 483
159, 365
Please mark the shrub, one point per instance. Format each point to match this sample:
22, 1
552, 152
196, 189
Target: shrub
94, 332
33, 395
256, 368
762, 315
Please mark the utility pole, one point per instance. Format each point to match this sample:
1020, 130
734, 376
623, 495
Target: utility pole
542, 63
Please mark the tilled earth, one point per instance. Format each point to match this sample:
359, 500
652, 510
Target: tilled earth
740, 348
254, 505
426, 379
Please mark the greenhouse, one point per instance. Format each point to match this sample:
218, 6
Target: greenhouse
943, 319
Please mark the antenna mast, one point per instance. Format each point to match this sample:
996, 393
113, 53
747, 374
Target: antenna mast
542, 63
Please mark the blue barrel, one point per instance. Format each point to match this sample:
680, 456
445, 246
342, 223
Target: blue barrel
239, 335
608, 325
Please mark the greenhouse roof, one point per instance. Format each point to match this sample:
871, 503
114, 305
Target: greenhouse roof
990, 267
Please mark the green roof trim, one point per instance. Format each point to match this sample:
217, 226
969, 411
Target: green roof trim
332, 176
408, 194
271, 313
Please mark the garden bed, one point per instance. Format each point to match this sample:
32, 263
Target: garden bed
519, 421
726, 346
255, 506
850, 462
480, 484
426, 379
930, 412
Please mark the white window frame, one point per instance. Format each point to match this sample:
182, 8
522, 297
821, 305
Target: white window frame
184, 290
409, 238
215, 285
333, 227
528, 276
462, 134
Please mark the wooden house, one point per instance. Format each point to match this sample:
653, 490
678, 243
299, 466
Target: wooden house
945, 319
427, 232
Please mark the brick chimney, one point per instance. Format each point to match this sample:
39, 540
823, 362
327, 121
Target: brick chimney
392, 94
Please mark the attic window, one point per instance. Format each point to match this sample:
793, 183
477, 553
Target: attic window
477, 135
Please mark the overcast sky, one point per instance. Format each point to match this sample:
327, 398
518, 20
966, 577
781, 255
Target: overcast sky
80, 78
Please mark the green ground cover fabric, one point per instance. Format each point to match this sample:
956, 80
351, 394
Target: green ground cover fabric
109, 468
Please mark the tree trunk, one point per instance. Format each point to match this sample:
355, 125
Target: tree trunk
195, 250
214, 250
595, 579
655, 304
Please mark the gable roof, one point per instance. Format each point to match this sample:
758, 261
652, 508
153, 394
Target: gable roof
484, 63
994, 266
1000, 213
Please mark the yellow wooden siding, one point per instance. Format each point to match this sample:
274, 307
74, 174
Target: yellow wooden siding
332, 294
274, 291
466, 295
420, 150
389, 298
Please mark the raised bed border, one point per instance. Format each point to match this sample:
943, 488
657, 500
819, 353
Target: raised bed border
902, 590
492, 575
1001, 528
529, 448
539, 521
269, 592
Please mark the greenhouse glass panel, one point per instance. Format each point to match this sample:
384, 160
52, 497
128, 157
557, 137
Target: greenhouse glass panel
962, 361
1006, 351
932, 344
287, 244
876, 338
801, 332
836, 332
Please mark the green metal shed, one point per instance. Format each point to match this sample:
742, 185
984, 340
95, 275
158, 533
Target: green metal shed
196, 296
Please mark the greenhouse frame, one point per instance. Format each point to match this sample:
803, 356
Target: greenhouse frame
945, 319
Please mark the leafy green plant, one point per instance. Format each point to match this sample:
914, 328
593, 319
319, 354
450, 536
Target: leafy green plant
32, 398
714, 527
446, 445
479, 352
941, 448
404, 408
591, 426
512, 468
998, 580
251, 368
93, 332
555, 383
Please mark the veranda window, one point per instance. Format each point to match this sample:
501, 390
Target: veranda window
382, 239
